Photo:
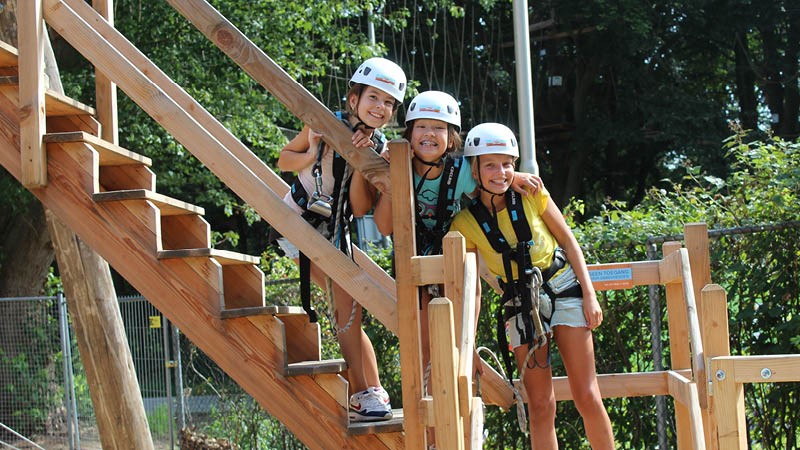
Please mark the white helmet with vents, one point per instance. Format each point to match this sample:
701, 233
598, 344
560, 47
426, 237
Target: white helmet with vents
435, 105
382, 74
489, 139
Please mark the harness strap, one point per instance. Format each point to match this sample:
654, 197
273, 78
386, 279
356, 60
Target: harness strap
430, 242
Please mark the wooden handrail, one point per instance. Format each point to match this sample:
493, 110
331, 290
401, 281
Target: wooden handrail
293, 95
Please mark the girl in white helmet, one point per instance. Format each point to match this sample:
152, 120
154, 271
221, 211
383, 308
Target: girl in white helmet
547, 292
441, 180
321, 194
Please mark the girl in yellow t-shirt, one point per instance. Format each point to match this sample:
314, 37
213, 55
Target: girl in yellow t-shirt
492, 226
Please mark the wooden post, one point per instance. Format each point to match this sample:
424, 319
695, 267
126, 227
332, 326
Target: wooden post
444, 363
116, 397
454, 250
31, 93
679, 347
716, 339
105, 89
729, 403
408, 330
697, 244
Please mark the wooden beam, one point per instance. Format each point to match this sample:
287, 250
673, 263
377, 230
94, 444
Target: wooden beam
407, 293
685, 391
31, 94
716, 342
729, 399
678, 326
105, 89
444, 383
292, 94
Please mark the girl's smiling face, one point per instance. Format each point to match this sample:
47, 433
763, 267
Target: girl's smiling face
429, 139
374, 107
495, 172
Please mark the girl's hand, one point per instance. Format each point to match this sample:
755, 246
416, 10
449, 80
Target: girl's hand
592, 311
385, 153
362, 140
313, 141
526, 183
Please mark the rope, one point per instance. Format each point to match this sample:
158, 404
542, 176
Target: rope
521, 417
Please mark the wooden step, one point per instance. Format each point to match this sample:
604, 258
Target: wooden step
395, 424
168, 206
110, 154
273, 310
55, 104
224, 257
315, 367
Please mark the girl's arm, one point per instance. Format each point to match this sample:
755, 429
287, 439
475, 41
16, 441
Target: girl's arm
526, 183
383, 214
566, 240
300, 152
362, 194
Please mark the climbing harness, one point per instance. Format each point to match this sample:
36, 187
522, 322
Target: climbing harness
329, 214
521, 417
429, 240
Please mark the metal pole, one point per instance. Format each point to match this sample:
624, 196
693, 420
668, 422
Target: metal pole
167, 366
655, 342
69, 383
522, 53
176, 349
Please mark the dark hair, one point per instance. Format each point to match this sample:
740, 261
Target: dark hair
356, 89
453, 136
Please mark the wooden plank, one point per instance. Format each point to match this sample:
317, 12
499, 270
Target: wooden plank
475, 441
56, 105
678, 326
123, 178
105, 89
455, 256
766, 369
32, 110
465, 339
224, 257
226, 165
303, 342
427, 269
82, 122
336, 386
407, 293
315, 367
716, 342
187, 231
110, 154
698, 354
243, 286
729, 399
395, 424
684, 391
168, 206
269, 310
8, 55
444, 380
293, 95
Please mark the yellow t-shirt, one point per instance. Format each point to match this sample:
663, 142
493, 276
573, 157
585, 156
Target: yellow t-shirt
544, 243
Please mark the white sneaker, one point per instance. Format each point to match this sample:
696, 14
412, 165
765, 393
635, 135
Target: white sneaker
368, 406
382, 395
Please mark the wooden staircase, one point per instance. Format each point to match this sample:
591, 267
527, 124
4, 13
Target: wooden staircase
106, 194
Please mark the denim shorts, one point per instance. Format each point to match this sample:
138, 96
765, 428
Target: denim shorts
569, 312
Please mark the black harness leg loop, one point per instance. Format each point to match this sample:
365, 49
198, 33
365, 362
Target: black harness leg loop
305, 287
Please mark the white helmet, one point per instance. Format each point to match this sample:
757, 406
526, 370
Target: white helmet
435, 105
491, 138
382, 74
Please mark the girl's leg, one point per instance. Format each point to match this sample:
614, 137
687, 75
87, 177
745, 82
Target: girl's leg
538, 383
577, 351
